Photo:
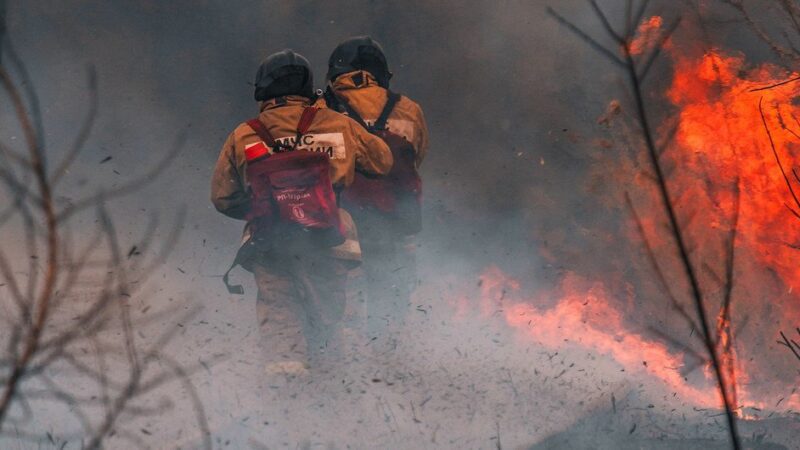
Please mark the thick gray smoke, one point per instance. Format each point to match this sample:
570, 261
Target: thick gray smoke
511, 100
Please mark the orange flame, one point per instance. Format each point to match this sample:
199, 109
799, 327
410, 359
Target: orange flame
584, 317
721, 135
647, 36
720, 150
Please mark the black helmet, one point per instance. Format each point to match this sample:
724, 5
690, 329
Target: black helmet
284, 73
359, 53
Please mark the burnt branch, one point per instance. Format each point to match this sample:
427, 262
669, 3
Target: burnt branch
773, 86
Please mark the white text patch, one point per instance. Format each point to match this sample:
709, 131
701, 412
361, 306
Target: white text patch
330, 143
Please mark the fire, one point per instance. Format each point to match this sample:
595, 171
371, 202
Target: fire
720, 166
647, 36
721, 135
725, 124
585, 317
727, 113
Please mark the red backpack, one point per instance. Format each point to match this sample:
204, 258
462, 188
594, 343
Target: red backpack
289, 190
396, 196
292, 187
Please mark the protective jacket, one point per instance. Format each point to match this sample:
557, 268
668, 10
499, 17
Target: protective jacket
362, 92
347, 144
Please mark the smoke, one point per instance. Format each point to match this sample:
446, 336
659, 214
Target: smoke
515, 179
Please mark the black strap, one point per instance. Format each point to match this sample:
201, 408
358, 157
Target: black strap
391, 101
234, 289
351, 112
331, 100
338, 102
245, 252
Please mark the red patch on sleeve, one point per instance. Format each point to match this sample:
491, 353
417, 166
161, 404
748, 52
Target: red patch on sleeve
255, 151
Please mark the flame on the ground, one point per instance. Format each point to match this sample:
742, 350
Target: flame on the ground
584, 317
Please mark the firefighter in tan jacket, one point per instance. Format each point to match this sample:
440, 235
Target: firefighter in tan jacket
301, 284
358, 85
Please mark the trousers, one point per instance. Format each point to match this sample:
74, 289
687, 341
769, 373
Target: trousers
300, 305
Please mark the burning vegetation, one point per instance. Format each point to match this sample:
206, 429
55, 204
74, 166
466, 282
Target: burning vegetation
689, 308
713, 199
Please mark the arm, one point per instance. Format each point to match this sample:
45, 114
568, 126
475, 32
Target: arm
373, 155
228, 192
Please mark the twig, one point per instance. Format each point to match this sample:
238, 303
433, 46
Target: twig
588, 39
778, 49
777, 157
48, 285
651, 257
773, 86
788, 343
29, 350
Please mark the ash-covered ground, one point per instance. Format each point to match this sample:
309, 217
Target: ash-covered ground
512, 101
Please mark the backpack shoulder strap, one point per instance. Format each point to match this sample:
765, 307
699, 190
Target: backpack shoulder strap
262, 131
302, 126
305, 119
391, 101
332, 100
350, 111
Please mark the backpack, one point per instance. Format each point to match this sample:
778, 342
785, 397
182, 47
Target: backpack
290, 191
396, 196
290, 187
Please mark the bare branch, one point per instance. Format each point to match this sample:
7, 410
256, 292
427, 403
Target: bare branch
789, 343
777, 157
778, 49
606, 24
588, 39
651, 257
30, 352
773, 86
49, 282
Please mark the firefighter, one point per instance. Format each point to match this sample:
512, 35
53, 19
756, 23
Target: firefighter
300, 271
358, 85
